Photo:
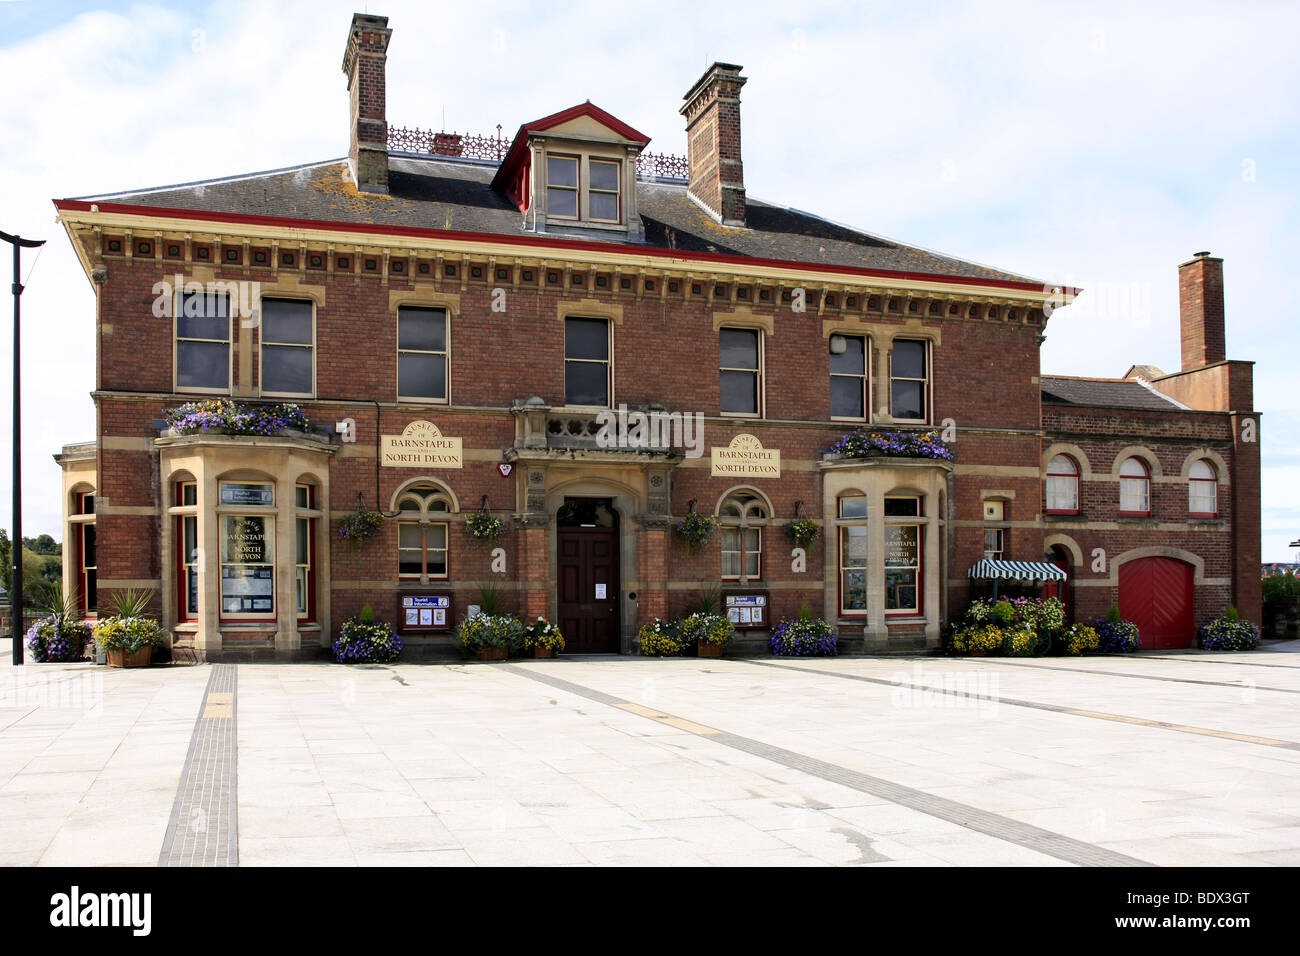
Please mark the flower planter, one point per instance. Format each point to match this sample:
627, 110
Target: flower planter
707, 649
141, 658
542, 653
492, 654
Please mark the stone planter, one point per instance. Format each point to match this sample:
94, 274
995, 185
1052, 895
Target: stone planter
708, 649
141, 658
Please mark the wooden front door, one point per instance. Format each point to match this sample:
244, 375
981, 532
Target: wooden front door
588, 589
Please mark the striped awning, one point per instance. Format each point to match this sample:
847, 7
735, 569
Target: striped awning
1016, 571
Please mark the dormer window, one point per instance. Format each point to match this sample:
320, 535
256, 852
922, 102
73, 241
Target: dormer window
573, 173
562, 186
582, 188
603, 195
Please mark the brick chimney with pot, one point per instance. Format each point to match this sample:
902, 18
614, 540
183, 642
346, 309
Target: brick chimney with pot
364, 64
712, 111
1200, 307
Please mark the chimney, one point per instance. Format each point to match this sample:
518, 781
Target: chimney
1200, 307
364, 64
712, 111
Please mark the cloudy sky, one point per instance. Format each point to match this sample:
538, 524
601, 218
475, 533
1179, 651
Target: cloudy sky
1097, 144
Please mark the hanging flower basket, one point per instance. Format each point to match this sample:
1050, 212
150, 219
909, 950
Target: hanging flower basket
695, 529
360, 526
803, 532
483, 526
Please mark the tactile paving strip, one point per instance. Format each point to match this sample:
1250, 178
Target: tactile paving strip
203, 830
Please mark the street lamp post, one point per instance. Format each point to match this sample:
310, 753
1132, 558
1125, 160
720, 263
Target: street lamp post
16, 545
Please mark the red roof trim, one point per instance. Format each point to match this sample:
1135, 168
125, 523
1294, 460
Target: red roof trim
518, 146
203, 215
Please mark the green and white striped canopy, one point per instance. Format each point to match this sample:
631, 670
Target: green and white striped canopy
989, 569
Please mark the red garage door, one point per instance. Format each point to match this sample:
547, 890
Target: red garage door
1156, 595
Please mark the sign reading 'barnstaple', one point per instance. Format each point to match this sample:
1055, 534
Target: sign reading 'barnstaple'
746, 457
420, 445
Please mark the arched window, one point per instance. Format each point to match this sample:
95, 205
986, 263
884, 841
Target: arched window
741, 515
1203, 490
422, 534
1062, 486
1134, 487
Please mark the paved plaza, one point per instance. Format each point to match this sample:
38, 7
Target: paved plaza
1157, 759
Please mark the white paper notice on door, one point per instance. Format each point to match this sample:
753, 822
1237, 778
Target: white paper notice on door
600, 592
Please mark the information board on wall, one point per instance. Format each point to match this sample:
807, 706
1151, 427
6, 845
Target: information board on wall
747, 610
424, 612
246, 493
247, 590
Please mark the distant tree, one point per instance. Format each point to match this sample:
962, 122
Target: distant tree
1281, 590
39, 570
43, 544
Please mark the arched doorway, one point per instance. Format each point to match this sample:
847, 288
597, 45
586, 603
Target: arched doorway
587, 575
1156, 594
1058, 556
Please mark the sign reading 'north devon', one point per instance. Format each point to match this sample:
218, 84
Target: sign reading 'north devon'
746, 457
420, 445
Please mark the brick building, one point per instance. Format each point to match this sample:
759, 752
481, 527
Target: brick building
465, 317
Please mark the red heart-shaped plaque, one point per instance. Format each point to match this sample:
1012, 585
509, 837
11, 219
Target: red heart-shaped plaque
505, 468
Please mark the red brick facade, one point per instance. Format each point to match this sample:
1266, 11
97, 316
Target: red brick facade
506, 301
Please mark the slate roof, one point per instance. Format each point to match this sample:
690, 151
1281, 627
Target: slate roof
455, 194
1104, 393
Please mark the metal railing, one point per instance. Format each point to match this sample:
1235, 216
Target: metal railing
494, 148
